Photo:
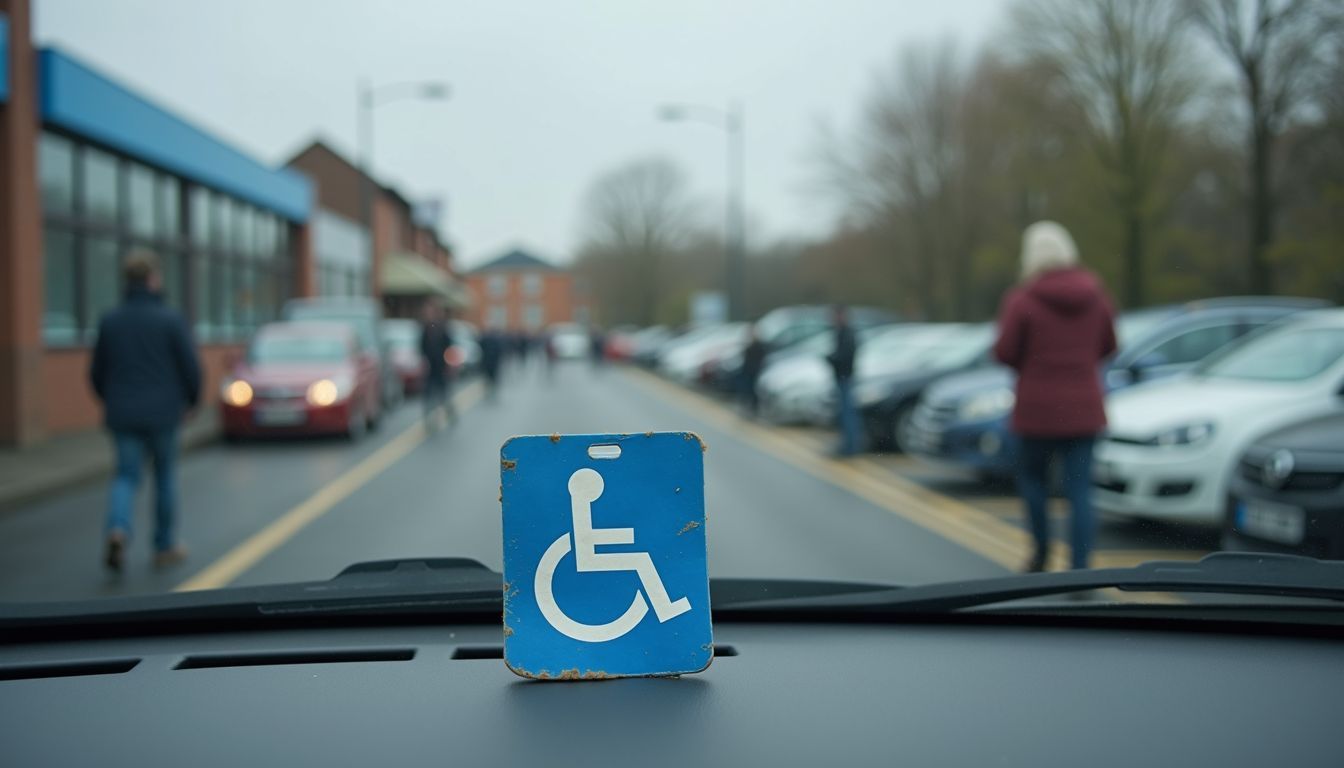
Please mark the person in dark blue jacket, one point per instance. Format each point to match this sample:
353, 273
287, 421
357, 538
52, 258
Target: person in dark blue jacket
146, 372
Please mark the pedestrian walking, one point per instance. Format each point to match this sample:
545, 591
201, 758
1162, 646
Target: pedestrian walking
435, 342
597, 346
842, 365
753, 360
1055, 328
146, 372
492, 351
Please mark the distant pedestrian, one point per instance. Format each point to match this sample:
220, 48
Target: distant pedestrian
597, 342
842, 365
552, 355
146, 372
1054, 330
435, 342
753, 360
492, 352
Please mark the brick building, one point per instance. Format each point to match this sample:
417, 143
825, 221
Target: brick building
520, 292
89, 169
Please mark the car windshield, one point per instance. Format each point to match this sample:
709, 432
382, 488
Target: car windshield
340, 253
297, 349
1288, 354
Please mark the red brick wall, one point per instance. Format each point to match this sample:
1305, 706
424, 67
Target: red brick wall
70, 405
558, 299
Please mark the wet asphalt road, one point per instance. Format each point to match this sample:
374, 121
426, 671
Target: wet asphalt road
765, 518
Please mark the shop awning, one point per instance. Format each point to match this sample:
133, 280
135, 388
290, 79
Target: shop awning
409, 274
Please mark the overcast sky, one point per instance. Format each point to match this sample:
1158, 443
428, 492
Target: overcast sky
546, 95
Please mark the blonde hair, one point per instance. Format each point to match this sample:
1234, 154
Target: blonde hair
139, 266
1047, 246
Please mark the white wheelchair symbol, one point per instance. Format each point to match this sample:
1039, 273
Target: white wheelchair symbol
585, 486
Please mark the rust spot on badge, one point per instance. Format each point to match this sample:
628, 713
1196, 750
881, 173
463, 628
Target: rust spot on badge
555, 437
508, 631
573, 674
697, 438
690, 526
509, 463
649, 433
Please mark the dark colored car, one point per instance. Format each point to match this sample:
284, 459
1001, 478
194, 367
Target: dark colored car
302, 378
1288, 493
401, 339
886, 402
963, 419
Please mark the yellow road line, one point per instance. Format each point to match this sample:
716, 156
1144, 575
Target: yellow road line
984, 533
262, 543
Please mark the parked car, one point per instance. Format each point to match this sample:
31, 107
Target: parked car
401, 339
886, 396
1288, 492
465, 357
797, 385
619, 344
1173, 445
962, 419
569, 341
301, 378
364, 316
646, 343
683, 360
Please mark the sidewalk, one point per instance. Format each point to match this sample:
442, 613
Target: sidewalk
28, 474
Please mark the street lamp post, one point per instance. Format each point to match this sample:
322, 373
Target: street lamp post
730, 121
369, 99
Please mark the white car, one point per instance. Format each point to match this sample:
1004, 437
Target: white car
1172, 445
570, 341
682, 360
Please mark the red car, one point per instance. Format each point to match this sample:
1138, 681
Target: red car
401, 339
301, 378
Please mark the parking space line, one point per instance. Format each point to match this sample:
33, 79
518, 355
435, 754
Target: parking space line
265, 541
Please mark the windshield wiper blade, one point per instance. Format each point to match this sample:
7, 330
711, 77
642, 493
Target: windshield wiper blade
451, 585
1234, 573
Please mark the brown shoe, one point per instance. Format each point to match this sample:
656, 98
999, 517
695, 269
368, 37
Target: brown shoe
115, 556
166, 558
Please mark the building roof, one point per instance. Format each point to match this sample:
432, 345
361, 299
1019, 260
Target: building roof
82, 100
516, 260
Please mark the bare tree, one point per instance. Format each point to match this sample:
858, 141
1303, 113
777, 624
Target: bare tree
1279, 49
1123, 65
636, 217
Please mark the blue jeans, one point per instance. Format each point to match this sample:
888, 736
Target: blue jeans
131, 447
1033, 483
847, 417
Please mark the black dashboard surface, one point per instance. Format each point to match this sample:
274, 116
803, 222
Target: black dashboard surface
792, 695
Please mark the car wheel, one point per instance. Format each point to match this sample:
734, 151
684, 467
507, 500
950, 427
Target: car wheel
902, 428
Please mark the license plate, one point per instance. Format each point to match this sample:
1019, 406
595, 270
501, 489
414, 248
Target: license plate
280, 416
1273, 522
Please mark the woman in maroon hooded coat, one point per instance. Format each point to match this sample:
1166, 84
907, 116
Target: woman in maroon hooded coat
1055, 329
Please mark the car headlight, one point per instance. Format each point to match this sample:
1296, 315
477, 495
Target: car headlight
1188, 434
236, 392
324, 392
987, 405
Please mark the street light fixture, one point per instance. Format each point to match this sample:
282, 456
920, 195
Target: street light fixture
369, 99
730, 121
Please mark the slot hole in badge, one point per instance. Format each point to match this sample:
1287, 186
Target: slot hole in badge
604, 451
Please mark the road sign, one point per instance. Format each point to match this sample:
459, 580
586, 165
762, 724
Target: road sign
605, 567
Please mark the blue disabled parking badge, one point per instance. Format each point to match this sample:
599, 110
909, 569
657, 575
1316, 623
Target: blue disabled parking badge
605, 566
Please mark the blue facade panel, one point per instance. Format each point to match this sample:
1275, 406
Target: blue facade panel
4, 58
78, 99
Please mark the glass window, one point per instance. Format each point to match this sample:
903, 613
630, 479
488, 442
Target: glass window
1289, 355
56, 169
221, 226
221, 316
200, 216
140, 200
498, 317
1193, 346
102, 280
244, 229
100, 186
60, 322
532, 316
203, 305
265, 234
532, 284
497, 285
171, 264
169, 200
282, 238
266, 303
244, 294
